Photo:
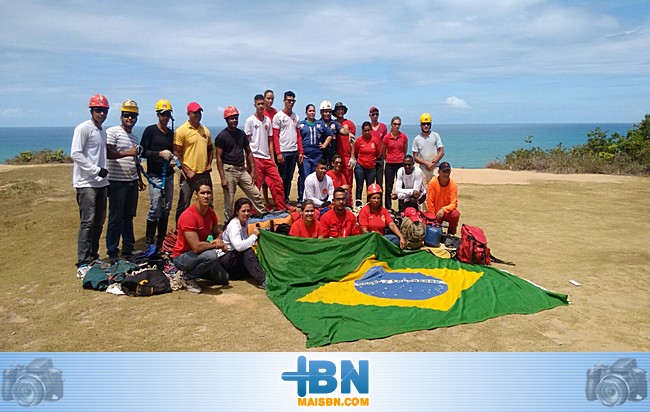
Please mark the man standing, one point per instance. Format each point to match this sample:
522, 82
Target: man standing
88, 153
442, 197
125, 182
270, 112
345, 145
259, 132
193, 147
409, 189
378, 131
287, 145
193, 253
339, 221
319, 186
427, 148
233, 169
157, 146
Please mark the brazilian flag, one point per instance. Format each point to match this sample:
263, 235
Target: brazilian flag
363, 287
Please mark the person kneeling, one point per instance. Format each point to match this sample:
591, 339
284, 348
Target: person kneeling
373, 217
193, 254
240, 259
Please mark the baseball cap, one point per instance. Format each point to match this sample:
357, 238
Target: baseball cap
193, 107
444, 166
373, 109
411, 213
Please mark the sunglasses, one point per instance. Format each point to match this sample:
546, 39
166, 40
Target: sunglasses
397, 124
374, 114
130, 115
99, 110
165, 114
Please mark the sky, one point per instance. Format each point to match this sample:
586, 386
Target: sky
463, 61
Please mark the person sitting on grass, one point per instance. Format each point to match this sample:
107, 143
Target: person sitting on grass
193, 253
373, 217
307, 226
319, 186
409, 189
442, 197
240, 260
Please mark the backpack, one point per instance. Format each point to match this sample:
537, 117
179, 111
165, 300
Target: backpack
146, 283
473, 246
270, 221
413, 233
170, 241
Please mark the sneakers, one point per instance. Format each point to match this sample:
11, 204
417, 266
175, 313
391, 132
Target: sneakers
262, 286
82, 270
191, 286
358, 204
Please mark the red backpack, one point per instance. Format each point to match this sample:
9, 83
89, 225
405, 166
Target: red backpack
473, 246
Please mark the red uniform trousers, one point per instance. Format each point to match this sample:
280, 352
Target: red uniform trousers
451, 217
267, 172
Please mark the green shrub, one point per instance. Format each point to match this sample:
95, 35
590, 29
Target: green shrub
615, 154
40, 157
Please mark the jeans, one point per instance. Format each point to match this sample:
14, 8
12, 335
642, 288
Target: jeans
307, 167
393, 238
186, 189
362, 174
122, 206
92, 212
160, 205
286, 171
390, 172
204, 265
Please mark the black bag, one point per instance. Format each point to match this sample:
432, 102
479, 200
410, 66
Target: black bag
146, 283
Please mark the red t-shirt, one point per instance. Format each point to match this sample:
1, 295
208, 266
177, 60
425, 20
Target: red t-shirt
270, 113
367, 152
375, 222
299, 229
343, 147
334, 226
337, 179
192, 221
395, 147
380, 132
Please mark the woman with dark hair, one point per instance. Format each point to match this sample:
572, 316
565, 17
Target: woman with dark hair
240, 260
315, 138
395, 145
307, 226
367, 149
339, 179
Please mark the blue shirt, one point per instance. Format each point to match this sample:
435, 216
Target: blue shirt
312, 134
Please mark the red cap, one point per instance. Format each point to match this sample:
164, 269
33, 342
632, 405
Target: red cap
193, 107
373, 109
411, 213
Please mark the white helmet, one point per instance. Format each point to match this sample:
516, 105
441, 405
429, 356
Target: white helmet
325, 105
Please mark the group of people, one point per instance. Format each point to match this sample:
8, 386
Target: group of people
260, 158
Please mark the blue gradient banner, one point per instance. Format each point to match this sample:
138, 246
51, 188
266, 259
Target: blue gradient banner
354, 381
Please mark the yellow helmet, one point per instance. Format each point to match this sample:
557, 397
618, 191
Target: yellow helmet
163, 105
425, 118
130, 106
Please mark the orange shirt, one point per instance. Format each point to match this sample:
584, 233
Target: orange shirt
442, 197
298, 229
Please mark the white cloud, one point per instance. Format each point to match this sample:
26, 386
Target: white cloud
456, 103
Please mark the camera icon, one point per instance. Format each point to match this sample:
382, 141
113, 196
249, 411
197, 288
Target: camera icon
613, 385
30, 385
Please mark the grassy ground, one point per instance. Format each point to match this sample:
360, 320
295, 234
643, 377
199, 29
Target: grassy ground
595, 233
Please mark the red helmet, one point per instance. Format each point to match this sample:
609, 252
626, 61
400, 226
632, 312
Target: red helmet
230, 111
98, 100
374, 188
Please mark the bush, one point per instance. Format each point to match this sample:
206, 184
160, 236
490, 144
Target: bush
40, 157
615, 154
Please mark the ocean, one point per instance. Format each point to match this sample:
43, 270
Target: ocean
467, 146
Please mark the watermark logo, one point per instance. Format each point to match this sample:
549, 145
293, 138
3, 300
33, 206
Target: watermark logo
617, 383
322, 377
30, 385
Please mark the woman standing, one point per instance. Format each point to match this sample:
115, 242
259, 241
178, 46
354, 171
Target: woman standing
307, 226
367, 149
375, 218
240, 260
315, 139
395, 145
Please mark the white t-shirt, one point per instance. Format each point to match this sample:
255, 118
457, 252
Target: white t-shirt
258, 133
319, 191
236, 236
123, 169
88, 151
405, 184
427, 147
288, 132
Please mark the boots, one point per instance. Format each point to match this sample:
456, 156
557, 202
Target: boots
151, 232
162, 231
